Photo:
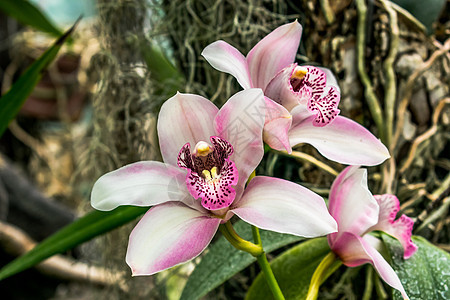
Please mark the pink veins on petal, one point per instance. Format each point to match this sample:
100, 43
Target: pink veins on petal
211, 174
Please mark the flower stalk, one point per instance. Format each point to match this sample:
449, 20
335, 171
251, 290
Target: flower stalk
319, 275
239, 243
256, 250
265, 267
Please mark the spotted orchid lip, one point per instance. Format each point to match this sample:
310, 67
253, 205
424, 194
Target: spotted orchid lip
324, 99
211, 174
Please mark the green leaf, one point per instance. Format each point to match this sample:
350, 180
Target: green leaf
13, 100
82, 230
169, 78
426, 12
28, 14
222, 260
425, 275
293, 270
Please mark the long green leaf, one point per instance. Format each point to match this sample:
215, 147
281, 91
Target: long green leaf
223, 260
28, 14
426, 275
168, 78
13, 100
426, 12
82, 230
293, 270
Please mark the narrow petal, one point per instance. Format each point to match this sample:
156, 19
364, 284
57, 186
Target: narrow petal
240, 122
169, 234
274, 52
401, 229
277, 125
355, 251
351, 203
184, 118
282, 206
143, 183
343, 141
224, 57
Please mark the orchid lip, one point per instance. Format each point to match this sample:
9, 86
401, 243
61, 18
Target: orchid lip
211, 174
323, 100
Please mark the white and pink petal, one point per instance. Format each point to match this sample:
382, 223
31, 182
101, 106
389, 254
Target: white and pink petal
283, 206
274, 52
299, 114
277, 124
343, 141
355, 251
144, 183
169, 234
224, 57
184, 118
351, 203
240, 122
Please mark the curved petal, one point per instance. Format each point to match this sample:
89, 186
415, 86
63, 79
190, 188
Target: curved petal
240, 122
281, 91
169, 234
355, 251
274, 52
143, 183
282, 206
351, 203
401, 229
299, 114
343, 141
184, 118
224, 57
277, 125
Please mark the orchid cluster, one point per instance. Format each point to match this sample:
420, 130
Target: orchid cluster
210, 156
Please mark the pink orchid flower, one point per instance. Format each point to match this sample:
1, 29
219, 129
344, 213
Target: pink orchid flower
358, 213
208, 156
301, 100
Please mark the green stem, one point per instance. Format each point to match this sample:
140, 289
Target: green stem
270, 278
319, 274
379, 288
256, 236
265, 267
369, 284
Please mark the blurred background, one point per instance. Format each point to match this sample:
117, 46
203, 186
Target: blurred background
95, 109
